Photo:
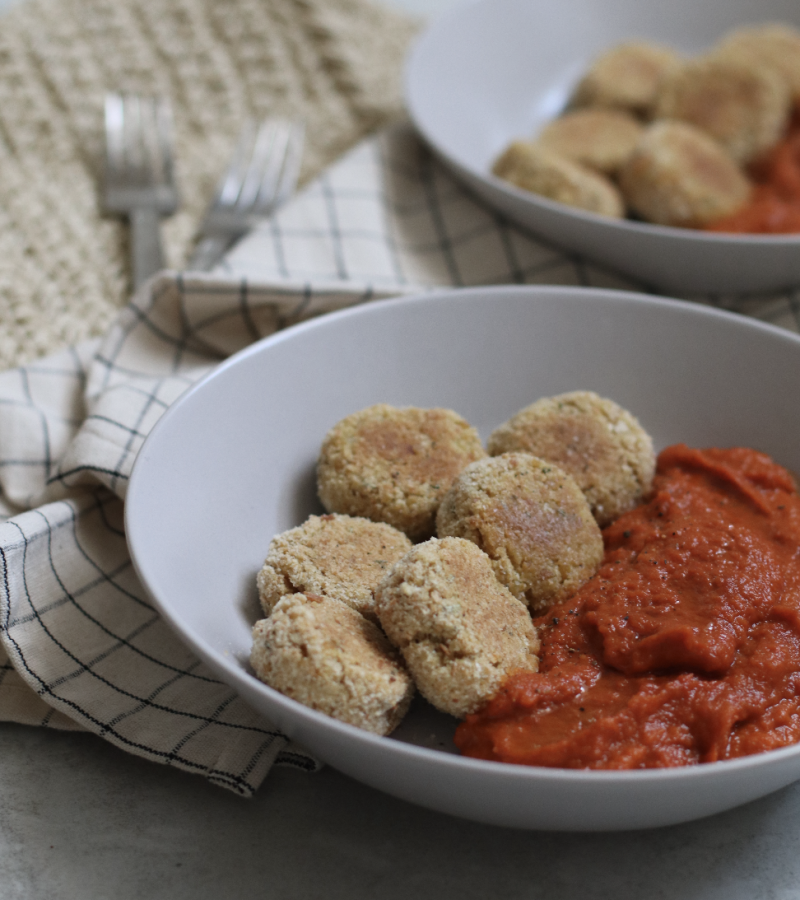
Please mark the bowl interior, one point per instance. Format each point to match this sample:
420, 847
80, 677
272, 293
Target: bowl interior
232, 464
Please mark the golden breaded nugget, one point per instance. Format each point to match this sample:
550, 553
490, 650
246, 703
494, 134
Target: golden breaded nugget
599, 138
772, 46
746, 109
626, 77
459, 630
680, 176
327, 656
532, 520
394, 465
342, 557
535, 169
601, 445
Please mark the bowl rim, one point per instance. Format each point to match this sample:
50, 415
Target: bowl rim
239, 674
421, 46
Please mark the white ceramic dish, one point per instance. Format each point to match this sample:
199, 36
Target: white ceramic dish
232, 464
494, 70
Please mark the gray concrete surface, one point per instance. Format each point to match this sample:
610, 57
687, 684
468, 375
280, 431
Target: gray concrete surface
81, 819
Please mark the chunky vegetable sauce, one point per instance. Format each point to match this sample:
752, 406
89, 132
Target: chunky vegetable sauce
774, 207
685, 647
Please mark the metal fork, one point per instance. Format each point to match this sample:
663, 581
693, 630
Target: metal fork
262, 174
139, 176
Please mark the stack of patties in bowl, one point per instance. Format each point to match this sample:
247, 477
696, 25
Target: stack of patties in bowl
358, 615
664, 139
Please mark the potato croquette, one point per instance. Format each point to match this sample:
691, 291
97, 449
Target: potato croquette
601, 445
772, 46
459, 630
341, 557
626, 77
746, 109
535, 169
599, 138
680, 176
394, 465
533, 522
328, 656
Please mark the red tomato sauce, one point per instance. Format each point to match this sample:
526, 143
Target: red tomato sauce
685, 647
774, 206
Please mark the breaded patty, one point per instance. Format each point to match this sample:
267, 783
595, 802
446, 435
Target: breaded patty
459, 630
744, 107
772, 46
600, 444
342, 557
680, 176
328, 656
626, 77
535, 169
599, 138
394, 465
533, 522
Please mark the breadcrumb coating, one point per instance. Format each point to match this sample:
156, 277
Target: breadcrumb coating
626, 77
394, 465
602, 139
460, 631
539, 170
341, 557
531, 519
772, 46
680, 176
600, 444
329, 657
742, 106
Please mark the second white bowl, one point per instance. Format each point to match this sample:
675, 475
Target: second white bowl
495, 70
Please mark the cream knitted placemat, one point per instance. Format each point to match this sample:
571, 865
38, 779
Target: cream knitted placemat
64, 268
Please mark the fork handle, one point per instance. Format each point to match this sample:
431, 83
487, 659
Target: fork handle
146, 253
210, 250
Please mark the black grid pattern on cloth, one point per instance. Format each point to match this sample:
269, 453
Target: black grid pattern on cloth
75, 623
80, 636
41, 407
162, 343
392, 216
84, 638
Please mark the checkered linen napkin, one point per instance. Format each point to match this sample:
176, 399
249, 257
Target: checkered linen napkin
85, 649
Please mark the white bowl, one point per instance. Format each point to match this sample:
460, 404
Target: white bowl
494, 70
232, 463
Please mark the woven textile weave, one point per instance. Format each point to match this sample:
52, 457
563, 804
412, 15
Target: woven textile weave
63, 268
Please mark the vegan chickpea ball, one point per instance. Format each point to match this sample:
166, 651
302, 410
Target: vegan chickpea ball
627, 77
533, 522
538, 169
601, 139
744, 107
341, 557
772, 46
459, 630
394, 464
600, 444
328, 657
678, 175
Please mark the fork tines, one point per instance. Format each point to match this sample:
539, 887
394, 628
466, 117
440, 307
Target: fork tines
139, 177
262, 174
139, 164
